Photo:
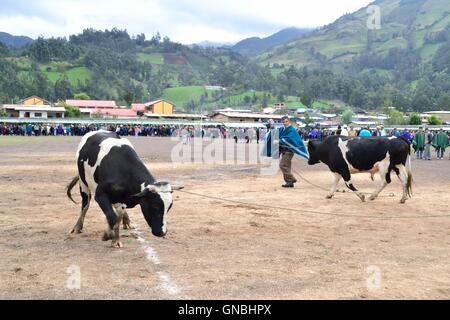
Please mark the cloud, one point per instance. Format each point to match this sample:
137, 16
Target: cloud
186, 21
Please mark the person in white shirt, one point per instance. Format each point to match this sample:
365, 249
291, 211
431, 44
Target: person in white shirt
344, 131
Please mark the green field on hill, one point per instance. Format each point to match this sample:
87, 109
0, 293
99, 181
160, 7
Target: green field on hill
74, 74
182, 95
153, 58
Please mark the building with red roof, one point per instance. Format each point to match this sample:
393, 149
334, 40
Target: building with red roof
115, 113
92, 104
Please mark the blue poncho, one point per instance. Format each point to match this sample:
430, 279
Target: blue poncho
289, 139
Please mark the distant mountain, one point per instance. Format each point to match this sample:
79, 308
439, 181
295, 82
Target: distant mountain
211, 44
15, 41
418, 26
256, 45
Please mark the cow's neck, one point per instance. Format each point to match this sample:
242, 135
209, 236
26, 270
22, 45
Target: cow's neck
322, 153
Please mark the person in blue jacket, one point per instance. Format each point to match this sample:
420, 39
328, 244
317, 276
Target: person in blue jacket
290, 143
365, 132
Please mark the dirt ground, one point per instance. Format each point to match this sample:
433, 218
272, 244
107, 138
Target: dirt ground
312, 249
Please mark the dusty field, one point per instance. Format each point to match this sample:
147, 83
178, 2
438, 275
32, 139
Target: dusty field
222, 250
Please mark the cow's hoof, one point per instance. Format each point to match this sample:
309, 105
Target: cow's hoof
363, 198
76, 230
402, 201
372, 198
127, 226
329, 196
116, 244
107, 236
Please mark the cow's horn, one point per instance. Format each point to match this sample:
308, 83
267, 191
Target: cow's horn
177, 186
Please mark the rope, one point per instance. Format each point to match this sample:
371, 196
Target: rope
322, 188
315, 185
302, 212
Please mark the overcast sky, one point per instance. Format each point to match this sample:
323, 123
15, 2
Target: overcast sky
185, 21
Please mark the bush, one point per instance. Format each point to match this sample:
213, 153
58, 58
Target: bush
71, 111
81, 96
435, 121
347, 116
395, 117
415, 119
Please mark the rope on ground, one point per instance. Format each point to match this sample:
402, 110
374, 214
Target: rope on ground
249, 204
322, 188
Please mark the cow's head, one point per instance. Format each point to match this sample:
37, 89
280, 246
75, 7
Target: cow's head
313, 153
156, 201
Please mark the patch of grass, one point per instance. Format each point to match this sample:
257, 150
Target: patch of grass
74, 74
276, 71
429, 51
153, 58
181, 95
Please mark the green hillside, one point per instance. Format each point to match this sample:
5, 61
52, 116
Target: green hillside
74, 74
413, 24
113, 65
404, 64
182, 95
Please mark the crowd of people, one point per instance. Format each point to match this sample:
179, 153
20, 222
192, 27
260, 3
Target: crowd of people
422, 140
81, 130
238, 134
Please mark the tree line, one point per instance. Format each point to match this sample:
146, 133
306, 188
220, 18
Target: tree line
116, 72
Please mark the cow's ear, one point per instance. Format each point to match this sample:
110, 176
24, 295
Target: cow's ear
141, 194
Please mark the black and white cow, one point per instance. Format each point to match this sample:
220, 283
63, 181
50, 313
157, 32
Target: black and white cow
346, 155
109, 167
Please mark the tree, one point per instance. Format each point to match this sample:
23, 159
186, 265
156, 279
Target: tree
395, 117
81, 96
63, 88
40, 50
190, 106
4, 51
414, 119
280, 97
3, 113
156, 39
444, 103
128, 97
71, 111
140, 39
306, 100
40, 85
265, 101
435, 121
358, 98
347, 116
307, 118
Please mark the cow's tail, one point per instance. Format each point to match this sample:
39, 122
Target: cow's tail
70, 187
410, 177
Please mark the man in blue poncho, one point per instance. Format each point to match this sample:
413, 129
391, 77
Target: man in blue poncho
290, 143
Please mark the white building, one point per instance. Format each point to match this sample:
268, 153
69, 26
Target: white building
34, 111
